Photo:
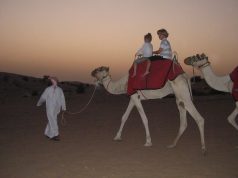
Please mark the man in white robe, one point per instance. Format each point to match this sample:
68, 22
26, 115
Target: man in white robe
55, 101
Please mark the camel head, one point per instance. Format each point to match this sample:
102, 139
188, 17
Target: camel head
100, 73
197, 60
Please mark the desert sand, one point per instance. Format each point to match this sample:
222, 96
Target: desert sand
87, 149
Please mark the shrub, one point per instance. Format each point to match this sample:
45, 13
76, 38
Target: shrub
80, 88
26, 79
6, 78
34, 93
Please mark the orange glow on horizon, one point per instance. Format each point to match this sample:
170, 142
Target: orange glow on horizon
70, 39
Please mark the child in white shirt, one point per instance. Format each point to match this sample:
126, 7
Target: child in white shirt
143, 54
164, 50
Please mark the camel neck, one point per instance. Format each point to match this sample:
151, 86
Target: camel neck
116, 87
220, 83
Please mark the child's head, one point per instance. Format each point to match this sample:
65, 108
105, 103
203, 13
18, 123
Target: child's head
162, 33
148, 38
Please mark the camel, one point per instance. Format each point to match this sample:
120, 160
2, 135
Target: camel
180, 87
220, 83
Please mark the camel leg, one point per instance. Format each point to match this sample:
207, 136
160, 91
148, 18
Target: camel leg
124, 119
199, 120
141, 111
183, 123
181, 89
232, 117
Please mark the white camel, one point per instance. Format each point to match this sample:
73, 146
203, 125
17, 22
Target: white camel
220, 83
180, 87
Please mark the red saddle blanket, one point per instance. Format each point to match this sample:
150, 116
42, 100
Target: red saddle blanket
160, 72
234, 78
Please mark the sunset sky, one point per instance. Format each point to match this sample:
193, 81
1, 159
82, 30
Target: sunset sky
69, 38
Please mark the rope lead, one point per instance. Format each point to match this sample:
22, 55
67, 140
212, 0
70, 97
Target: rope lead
63, 119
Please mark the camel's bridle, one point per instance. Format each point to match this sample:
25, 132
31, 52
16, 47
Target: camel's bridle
104, 78
204, 65
198, 58
201, 66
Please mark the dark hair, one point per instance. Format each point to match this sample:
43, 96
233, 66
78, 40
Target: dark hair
163, 32
148, 37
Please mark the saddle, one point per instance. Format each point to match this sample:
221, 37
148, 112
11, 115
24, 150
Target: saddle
160, 72
234, 78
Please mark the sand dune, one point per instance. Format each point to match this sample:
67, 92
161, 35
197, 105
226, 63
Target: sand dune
87, 149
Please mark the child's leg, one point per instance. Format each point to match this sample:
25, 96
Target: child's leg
147, 68
134, 71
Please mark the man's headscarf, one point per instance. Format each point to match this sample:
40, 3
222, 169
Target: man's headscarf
54, 78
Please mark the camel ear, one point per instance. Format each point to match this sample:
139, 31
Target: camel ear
203, 56
93, 73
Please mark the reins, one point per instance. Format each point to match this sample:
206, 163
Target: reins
204, 65
200, 67
63, 120
175, 59
105, 78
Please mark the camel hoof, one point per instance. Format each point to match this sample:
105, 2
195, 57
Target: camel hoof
117, 139
204, 151
171, 146
148, 144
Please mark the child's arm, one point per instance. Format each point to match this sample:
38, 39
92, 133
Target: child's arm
138, 55
158, 51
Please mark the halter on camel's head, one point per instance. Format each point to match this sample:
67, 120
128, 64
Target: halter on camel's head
197, 60
100, 73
